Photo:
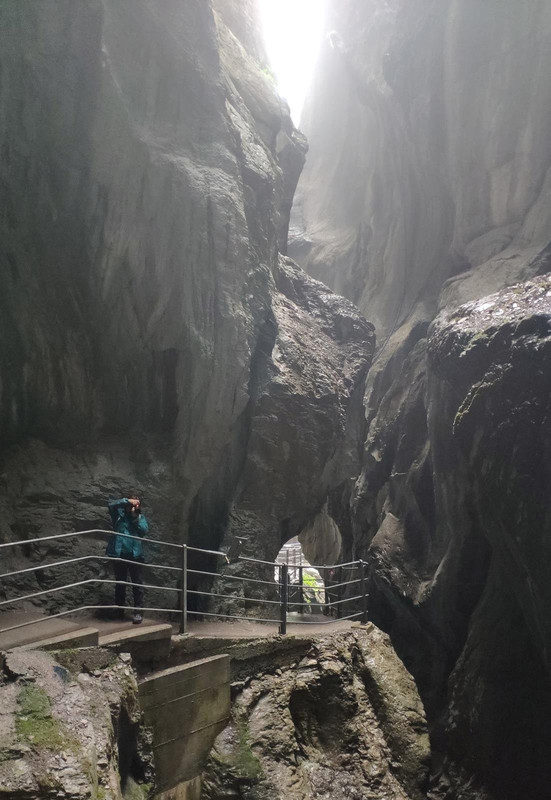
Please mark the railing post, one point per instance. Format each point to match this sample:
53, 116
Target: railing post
342, 590
283, 600
289, 589
183, 593
364, 595
300, 589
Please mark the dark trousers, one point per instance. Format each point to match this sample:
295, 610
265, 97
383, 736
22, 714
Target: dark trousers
122, 569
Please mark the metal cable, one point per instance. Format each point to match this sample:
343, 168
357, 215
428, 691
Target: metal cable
86, 558
86, 608
200, 550
258, 561
345, 583
347, 600
83, 533
329, 622
233, 577
84, 583
236, 597
232, 616
347, 564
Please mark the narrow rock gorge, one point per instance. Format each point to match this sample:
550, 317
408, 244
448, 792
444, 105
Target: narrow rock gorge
269, 332
154, 334
425, 200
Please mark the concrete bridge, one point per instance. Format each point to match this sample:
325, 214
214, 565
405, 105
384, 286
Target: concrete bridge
186, 707
184, 680
184, 667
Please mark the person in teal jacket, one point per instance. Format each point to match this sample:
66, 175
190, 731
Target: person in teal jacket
127, 518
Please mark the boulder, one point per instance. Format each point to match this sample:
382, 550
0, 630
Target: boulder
72, 733
344, 720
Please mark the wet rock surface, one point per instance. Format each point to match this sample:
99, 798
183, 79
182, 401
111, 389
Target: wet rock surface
461, 582
71, 733
298, 440
173, 245
438, 167
491, 361
344, 720
305, 412
432, 192
154, 337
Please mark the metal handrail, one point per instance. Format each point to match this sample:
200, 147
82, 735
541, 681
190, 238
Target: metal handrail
327, 622
285, 588
228, 577
83, 583
234, 597
86, 608
92, 530
84, 558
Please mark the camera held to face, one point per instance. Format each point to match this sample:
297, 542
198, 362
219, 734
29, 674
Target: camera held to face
134, 506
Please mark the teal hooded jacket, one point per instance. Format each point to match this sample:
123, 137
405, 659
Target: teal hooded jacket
123, 522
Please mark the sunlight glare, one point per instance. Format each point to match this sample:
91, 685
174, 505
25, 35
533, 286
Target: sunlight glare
292, 32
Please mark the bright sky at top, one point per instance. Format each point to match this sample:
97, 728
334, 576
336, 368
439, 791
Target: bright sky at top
292, 30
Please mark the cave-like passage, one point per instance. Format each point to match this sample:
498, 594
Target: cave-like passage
306, 584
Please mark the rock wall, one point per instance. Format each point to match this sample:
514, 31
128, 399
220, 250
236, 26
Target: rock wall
490, 384
427, 187
156, 336
342, 720
71, 728
429, 156
153, 336
311, 715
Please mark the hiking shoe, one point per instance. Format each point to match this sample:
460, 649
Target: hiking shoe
137, 618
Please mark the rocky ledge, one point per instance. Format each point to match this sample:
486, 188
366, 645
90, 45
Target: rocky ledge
343, 721
70, 728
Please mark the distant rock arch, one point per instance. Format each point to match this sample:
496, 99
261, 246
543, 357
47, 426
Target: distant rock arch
321, 540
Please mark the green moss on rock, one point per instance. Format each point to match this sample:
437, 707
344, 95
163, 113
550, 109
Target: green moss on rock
34, 723
246, 763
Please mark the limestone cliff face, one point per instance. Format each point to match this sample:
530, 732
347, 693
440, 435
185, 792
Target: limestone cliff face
427, 187
429, 156
490, 388
152, 335
71, 727
343, 720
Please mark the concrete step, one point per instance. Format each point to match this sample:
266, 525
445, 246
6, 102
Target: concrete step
85, 637
44, 628
137, 633
148, 643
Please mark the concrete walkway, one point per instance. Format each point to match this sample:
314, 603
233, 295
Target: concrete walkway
45, 629
72, 627
236, 629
